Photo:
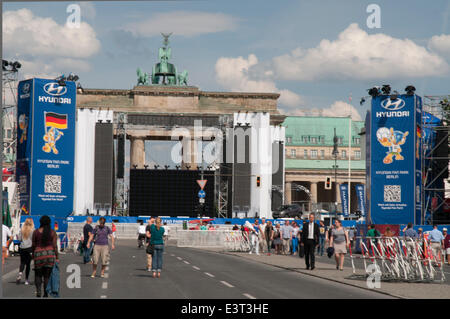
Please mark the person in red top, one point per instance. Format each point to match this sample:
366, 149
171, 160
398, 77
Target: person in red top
113, 228
447, 244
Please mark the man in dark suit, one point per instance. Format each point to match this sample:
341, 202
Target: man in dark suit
310, 239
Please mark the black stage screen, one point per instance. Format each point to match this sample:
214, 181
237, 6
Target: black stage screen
172, 193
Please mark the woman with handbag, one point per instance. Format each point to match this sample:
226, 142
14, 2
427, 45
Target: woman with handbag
339, 241
45, 253
157, 242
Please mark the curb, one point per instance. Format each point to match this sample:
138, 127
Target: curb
316, 276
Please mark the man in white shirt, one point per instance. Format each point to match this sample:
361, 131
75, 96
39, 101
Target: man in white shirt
5, 233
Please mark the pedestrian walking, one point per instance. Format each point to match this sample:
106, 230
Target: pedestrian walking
254, 233
437, 242
277, 239
339, 241
113, 229
151, 221
156, 239
268, 235
87, 232
446, 244
25, 250
310, 239
141, 234
351, 237
411, 237
100, 237
294, 241
388, 232
322, 236
286, 234
6, 234
45, 254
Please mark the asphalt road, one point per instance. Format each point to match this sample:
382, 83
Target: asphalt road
187, 273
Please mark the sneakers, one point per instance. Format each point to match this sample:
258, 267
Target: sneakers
250, 252
19, 278
27, 282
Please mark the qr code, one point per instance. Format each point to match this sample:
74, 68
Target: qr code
52, 184
392, 193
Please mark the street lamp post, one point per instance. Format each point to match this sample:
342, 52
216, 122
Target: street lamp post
335, 166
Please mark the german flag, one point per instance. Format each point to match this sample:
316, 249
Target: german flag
419, 131
56, 120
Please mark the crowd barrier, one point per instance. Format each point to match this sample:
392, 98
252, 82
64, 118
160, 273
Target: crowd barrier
399, 259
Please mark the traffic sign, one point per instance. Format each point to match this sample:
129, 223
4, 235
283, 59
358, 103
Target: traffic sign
201, 200
201, 183
201, 194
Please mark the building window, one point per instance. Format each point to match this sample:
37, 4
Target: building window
340, 140
322, 154
322, 139
289, 140
305, 139
344, 154
313, 154
305, 154
314, 140
357, 155
292, 152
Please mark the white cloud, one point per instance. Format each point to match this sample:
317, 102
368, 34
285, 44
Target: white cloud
184, 23
440, 43
233, 74
337, 109
44, 47
27, 34
357, 55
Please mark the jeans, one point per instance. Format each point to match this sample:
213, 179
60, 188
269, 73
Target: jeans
321, 247
294, 244
25, 261
87, 253
255, 244
157, 260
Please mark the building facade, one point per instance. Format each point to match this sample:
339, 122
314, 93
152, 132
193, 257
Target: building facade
310, 161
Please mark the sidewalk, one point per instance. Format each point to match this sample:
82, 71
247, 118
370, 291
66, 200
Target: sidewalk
328, 271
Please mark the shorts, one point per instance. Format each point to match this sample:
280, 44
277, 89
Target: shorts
101, 253
447, 251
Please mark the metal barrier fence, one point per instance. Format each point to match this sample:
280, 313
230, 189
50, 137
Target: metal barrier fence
399, 259
226, 239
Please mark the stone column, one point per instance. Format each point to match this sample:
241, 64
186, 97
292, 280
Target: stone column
137, 152
288, 193
313, 190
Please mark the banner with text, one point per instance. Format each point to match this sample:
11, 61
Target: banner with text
395, 159
360, 194
344, 199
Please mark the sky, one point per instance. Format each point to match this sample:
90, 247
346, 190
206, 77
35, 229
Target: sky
316, 54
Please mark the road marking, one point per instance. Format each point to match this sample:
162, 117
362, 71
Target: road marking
10, 274
105, 285
227, 284
208, 274
186, 262
107, 268
106, 276
179, 258
103, 297
172, 255
195, 267
249, 296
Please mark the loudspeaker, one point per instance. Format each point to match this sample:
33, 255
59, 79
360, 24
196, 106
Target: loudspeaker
120, 156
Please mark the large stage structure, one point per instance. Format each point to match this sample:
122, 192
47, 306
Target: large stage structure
173, 111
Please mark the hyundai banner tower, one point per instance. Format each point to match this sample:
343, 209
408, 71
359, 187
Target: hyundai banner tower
46, 147
394, 170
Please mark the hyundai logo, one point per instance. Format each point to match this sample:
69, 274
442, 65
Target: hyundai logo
26, 88
393, 105
54, 89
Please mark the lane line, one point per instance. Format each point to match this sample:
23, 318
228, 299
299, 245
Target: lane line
186, 262
179, 258
172, 255
195, 267
105, 285
106, 276
208, 274
227, 284
249, 296
103, 297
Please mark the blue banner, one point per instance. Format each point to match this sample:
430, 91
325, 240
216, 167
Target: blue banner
51, 147
25, 91
360, 194
344, 199
395, 159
